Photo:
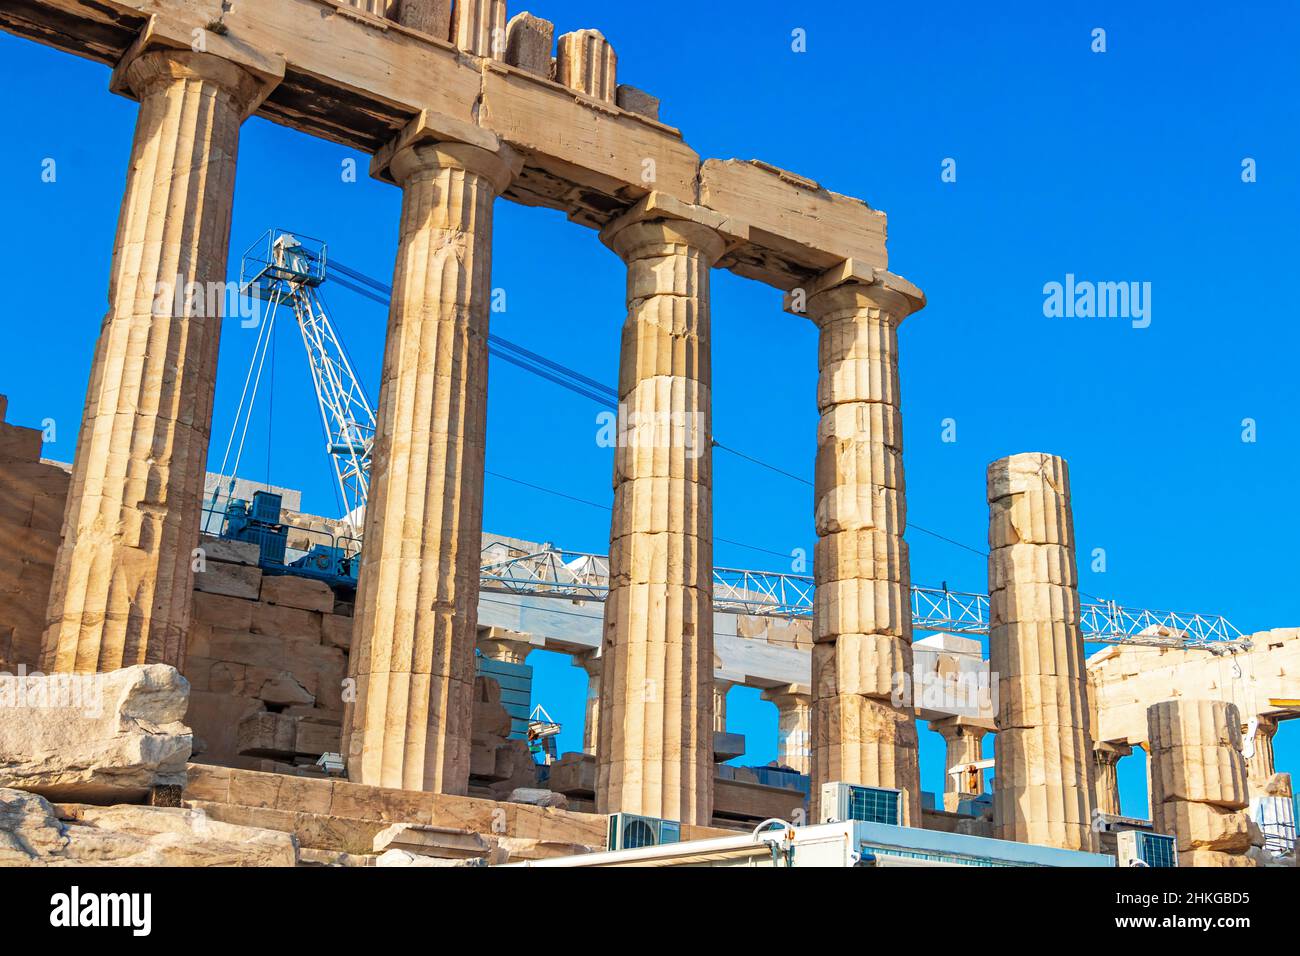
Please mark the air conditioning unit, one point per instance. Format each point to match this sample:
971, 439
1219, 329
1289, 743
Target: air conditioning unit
1139, 848
628, 831
842, 802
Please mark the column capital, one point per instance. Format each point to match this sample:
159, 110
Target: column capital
590, 661
1265, 725
499, 644
855, 285
659, 220
433, 141
950, 728
161, 53
787, 695
1111, 752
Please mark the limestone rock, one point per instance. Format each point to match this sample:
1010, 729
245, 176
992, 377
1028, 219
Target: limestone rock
638, 101
290, 591
96, 738
397, 858
539, 798
433, 841
529, 42
32, 834
428, 16
586, 62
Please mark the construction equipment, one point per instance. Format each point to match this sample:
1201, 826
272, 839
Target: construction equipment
282, 269
542, 736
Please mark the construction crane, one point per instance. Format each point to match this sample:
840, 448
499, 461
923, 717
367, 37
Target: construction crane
284, 269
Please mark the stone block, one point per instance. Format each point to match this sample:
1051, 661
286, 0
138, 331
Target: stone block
868, 665
1042, 518
865, 554
862, 607
223, 611
431, 841
308, 594
861, 508
93, 738
1028, 472
428, 16
284, 622
585, 61
1043, 648
574, 775
232, 580
336, 631
1035, 603
1202, 826
268, 735
20, 444
529, 42
32, 833
1022, 564
638, 101
538, 798
230, 552
215, 718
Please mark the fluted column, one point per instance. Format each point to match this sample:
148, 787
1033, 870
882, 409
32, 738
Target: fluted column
508, 647
1045, 783
124, 574
417, 604
964, 748
1199, 784
591, 663
1260, 767
720, 690
655, 745
1108, 757
793, 726
864, 730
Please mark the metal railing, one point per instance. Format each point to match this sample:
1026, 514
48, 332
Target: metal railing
581, 576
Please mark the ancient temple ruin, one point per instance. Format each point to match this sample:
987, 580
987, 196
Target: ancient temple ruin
461, 104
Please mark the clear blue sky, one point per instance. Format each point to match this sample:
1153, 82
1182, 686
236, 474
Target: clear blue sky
1122, 166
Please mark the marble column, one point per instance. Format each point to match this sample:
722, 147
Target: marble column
964, 747
655, 747
863, 719
1045, 781
417, 603
1199, 784
1108, 757
479, 27
793, 725
720, 690
124, 573
508, 647
1260, 766
591, 663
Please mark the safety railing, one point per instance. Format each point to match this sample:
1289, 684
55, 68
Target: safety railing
581, 576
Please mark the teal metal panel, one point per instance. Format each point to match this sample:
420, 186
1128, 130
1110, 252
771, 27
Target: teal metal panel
516, 683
